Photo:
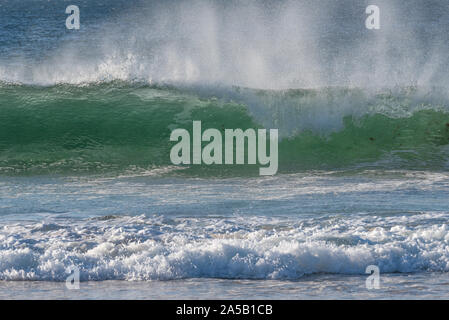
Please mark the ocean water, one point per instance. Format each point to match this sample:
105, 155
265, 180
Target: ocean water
86, 181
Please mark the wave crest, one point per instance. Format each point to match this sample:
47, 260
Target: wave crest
118, 126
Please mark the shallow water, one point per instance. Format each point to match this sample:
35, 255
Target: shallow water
393, 286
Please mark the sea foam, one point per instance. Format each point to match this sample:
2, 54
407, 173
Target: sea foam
159, 248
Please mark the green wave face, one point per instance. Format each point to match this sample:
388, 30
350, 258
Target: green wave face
100, 128
376, 140
115, 127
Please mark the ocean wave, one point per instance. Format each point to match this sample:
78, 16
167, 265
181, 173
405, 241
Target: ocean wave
158, 248
118, 126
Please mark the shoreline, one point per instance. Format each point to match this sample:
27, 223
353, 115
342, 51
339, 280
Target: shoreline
313, 287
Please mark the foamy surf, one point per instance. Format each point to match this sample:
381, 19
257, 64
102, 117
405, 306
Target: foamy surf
304, 224
160, 248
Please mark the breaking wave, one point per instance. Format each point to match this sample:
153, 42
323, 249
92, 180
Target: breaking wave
116, 126
160, 248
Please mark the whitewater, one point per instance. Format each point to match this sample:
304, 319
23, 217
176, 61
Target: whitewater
86, 180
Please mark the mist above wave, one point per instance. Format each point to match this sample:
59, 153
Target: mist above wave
259, 44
